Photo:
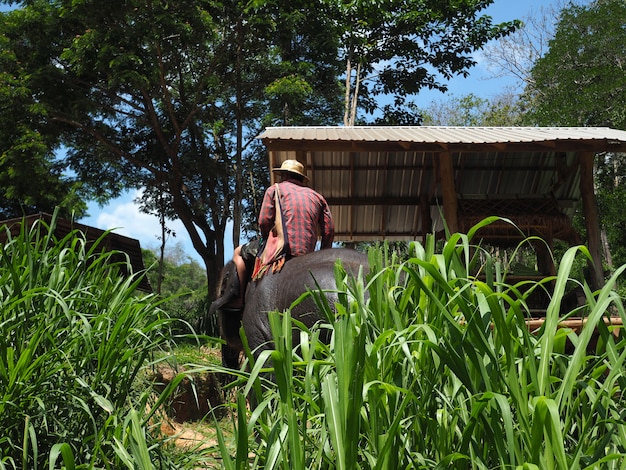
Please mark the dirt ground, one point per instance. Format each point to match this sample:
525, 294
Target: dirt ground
192, 412
190, 435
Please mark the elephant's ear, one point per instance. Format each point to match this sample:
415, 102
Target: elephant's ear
229, 288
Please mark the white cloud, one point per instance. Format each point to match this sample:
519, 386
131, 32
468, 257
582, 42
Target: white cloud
123, 216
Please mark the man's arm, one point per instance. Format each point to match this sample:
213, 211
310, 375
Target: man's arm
327, 226
267, 214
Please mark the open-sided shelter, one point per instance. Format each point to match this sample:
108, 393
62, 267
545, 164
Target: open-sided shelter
401, 183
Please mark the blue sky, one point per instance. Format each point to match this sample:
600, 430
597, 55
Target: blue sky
123, 216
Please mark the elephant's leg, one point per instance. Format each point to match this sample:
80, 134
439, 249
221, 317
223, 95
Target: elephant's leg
230, 357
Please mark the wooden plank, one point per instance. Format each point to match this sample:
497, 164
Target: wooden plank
575, 324
448, 189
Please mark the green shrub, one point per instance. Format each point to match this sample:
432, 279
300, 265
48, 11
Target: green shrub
75, 340
184, 286
430, 367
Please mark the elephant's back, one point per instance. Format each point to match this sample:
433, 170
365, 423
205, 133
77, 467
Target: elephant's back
277, 291
312, 269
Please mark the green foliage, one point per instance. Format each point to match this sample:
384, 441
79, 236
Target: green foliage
397, 48
170, 95
32, 182
431, 367
580, 80
165, 95
610, 174
31, 179
183, 286
471, 110
76, 342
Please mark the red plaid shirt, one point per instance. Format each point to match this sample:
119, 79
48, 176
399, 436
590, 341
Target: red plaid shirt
304, 211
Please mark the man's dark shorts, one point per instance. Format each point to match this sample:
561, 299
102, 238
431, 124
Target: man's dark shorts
250, 250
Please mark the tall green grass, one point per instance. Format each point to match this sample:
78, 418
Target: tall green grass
432, 367
75, 340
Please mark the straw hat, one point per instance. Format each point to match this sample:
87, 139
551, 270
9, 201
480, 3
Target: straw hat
291, 166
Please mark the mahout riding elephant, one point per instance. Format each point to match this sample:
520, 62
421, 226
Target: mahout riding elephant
277, 291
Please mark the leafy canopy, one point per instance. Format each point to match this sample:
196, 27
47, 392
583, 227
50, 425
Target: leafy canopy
395, 48
168, 96
581, 82
32, 180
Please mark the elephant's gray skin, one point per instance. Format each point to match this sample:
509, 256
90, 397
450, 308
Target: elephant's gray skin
277, 291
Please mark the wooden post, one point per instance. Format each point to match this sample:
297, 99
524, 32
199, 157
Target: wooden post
592, 220
427, 221
274, 163
448, 191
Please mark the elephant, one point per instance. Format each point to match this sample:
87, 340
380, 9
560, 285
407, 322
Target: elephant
277, 291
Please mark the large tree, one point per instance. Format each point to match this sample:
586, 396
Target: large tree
164, 95
515, 55
169, 95
32, 180
581, 81
395, 48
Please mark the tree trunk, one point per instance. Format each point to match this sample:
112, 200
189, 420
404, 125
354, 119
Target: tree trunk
239, 143
606, 250
346, 104
355, 95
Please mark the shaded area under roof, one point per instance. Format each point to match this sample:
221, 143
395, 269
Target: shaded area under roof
111, 241
401, 183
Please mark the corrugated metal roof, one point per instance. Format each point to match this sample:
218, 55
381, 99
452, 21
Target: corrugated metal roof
384, 182
443, 134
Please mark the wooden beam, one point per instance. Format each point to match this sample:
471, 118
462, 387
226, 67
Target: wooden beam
592, 221
448, 191
373, 201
